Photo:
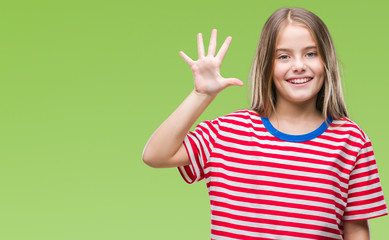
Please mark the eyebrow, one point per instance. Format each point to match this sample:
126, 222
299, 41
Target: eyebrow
289, 50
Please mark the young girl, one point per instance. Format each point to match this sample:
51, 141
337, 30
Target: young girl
294, 166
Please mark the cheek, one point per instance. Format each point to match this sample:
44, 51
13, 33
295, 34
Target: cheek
318, 67
280, 69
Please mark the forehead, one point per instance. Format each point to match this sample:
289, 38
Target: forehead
294, 37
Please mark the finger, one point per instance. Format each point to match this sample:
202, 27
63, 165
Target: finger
200, 45
212, 43
223, 50
187, 59
233, 81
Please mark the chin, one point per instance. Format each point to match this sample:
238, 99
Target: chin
302, 99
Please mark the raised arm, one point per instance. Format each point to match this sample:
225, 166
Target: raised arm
165, 147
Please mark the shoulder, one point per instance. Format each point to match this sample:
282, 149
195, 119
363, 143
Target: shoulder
239, 117
348, 126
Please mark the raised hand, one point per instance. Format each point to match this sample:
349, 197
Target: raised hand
206, 70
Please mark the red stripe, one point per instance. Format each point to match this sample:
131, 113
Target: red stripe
364, 183
366, 211
251, 127
202, 137
343, 140
276, 175
228, 138
259, 183
278, 165
367, 201
270, 231
187, 169
338, 146
262, 192
366, 192
261, 128
276, 204
347, 132
320, 154
274, 212
196, 158
277, 222
236, 236
228, 130
365, 155
364, 174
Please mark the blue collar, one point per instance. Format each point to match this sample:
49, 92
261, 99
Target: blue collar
296, 138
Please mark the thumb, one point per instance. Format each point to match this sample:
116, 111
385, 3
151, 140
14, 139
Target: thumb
233, 81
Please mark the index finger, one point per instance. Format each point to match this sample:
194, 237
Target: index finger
223, 50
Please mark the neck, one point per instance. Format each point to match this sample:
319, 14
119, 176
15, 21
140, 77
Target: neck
305, 111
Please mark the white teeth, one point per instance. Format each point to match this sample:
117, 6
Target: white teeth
300, 80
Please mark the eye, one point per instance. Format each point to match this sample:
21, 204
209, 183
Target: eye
311, 54
283, 57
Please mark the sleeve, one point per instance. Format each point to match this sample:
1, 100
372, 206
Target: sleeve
199, 145
365, 198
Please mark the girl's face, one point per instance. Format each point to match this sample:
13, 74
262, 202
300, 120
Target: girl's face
298, 69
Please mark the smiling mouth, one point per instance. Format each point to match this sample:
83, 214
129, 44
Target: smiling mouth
299, 80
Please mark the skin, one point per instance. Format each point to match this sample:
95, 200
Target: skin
297, 57
356, 230
165, 147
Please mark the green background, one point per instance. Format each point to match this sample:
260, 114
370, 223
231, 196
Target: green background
83, 85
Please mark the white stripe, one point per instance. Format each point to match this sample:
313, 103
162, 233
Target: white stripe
301, 146
194, 167
279, 180
364, 179
264, 197
366, 216
349, 137
361, 198
255, 234
274, 208
279, 228
363, 170
266, 133
205, 135
337, 144
279, 190
329, 160
271, 217
365, 206
201, 144
241, 232
364, 188
329, 166
248, 233
185, 174
276, 170
275, 189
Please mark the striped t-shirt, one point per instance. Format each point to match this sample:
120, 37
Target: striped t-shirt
265, 184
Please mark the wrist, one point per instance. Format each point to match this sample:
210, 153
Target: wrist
204, 96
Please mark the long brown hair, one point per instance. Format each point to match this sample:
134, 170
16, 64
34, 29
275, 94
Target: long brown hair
330, 101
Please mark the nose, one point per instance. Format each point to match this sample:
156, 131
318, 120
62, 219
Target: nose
298, 66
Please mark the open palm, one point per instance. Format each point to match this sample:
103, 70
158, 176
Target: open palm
206, 70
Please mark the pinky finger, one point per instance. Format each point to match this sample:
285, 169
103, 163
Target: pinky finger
187, 59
